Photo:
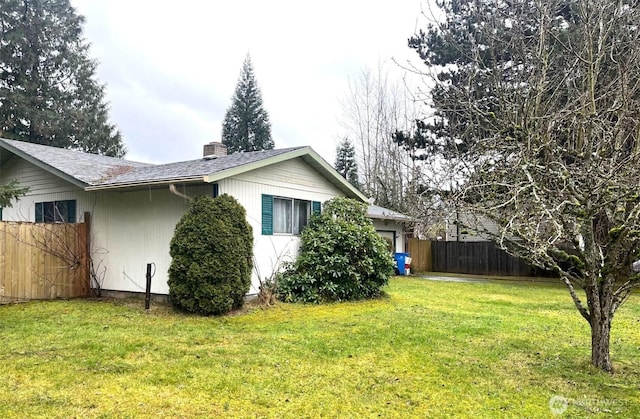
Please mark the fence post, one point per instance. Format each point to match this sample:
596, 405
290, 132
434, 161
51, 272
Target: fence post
147, 297
87, 261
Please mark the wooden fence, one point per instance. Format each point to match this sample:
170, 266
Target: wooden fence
480, 258
44, 261
420, 252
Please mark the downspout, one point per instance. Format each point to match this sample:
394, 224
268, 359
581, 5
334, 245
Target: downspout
173, 190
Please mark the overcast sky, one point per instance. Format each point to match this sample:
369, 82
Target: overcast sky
171, 67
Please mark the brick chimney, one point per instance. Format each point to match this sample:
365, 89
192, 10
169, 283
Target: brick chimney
214, 149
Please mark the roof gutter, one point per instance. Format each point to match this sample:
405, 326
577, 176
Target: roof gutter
162, 182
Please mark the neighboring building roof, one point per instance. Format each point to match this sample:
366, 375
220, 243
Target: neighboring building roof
381, 213
94, 172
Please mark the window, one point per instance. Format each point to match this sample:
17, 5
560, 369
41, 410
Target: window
290, 216
286, 215
56, 212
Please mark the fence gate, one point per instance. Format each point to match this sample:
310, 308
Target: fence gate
43, 260
421, 258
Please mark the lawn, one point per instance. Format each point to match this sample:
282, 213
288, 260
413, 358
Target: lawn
428, 349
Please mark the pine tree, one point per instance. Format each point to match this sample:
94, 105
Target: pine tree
9, 192
246, 124
346, 163
48, 91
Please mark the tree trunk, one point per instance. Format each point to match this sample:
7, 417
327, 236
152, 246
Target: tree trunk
600, 337
599, 300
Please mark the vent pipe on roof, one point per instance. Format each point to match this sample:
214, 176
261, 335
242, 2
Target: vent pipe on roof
214, 149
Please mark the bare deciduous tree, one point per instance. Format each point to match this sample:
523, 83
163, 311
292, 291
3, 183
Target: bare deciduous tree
373, 109
538, 104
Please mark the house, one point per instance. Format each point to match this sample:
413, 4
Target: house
464, 226
136, 206
390, 225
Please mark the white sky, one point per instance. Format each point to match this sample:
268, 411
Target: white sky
171, 67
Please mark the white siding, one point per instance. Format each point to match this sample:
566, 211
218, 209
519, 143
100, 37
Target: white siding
389, 228
131, 229
39, 181
43, 187
290, 179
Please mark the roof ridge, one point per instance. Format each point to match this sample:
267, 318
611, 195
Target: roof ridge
237, 154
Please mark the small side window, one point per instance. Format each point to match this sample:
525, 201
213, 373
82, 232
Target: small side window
56, 212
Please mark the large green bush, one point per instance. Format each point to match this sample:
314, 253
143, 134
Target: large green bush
342, 257
211, 252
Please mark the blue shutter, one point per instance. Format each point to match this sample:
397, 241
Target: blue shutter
0, 214
39, 212
71, 211
267, 215
316, 207
216, 190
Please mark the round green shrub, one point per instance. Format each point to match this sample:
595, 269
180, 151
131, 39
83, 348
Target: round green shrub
211, 253
342, 257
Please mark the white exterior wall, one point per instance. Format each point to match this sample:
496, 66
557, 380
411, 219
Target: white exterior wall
391, 229
132, 228
128, 229
43, 187
289, 179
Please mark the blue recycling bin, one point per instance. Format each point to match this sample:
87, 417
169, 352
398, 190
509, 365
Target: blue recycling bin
400, 259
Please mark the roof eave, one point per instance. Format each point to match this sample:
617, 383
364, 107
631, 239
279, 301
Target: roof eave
336, 178
391, 218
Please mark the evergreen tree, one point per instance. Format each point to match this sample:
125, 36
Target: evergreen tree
48, 91
9, 192
246, 124
211, 256
346, 163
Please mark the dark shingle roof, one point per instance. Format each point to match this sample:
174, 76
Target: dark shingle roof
94, 172
90, 169
192, 168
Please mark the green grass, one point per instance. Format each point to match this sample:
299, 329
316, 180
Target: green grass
431, 349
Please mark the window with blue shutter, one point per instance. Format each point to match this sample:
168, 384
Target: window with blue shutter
286, 215
39, 212
71, 212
